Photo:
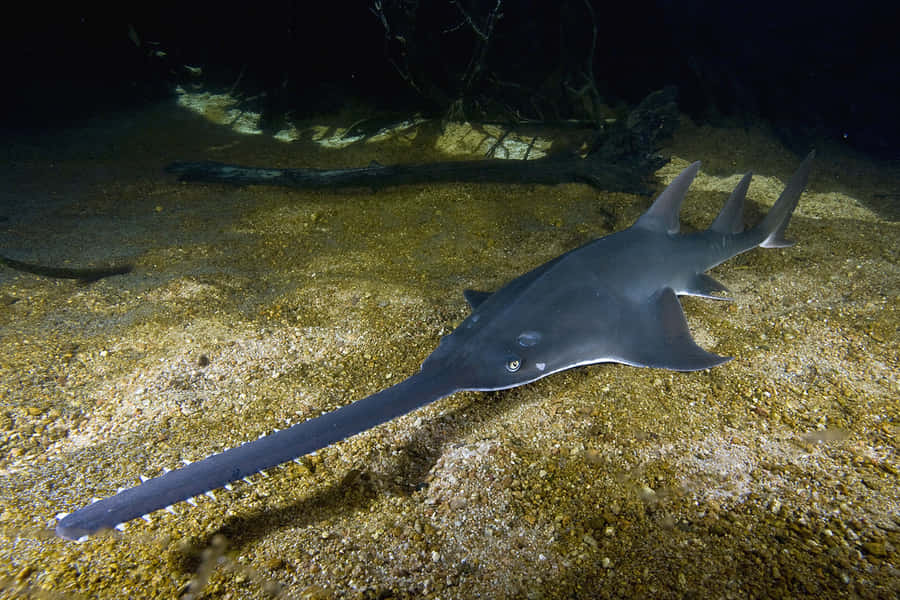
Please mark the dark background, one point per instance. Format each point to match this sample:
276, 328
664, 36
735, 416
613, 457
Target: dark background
807, 70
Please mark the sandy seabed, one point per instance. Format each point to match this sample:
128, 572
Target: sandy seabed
775, 475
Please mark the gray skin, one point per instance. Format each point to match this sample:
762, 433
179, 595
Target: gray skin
611, 300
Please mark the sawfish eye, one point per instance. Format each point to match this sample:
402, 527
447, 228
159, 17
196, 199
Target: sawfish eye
513, 365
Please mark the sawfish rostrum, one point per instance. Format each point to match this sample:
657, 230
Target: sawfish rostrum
614, 299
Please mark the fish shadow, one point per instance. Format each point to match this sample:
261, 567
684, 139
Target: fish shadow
402, 472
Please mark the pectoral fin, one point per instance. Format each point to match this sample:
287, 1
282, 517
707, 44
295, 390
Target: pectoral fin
661, 338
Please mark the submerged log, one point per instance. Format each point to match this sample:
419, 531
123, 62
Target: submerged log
622, 159
547, 170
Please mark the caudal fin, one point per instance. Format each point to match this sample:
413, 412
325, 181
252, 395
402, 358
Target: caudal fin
776, 221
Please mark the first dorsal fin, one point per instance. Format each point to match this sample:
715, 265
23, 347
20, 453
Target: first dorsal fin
662, 216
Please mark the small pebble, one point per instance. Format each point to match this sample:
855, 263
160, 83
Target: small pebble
875, 549
24, 573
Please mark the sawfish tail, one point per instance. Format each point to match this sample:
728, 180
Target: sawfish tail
769, 233
268, 451
726, 236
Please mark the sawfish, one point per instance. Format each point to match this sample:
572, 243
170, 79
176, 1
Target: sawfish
614, 299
